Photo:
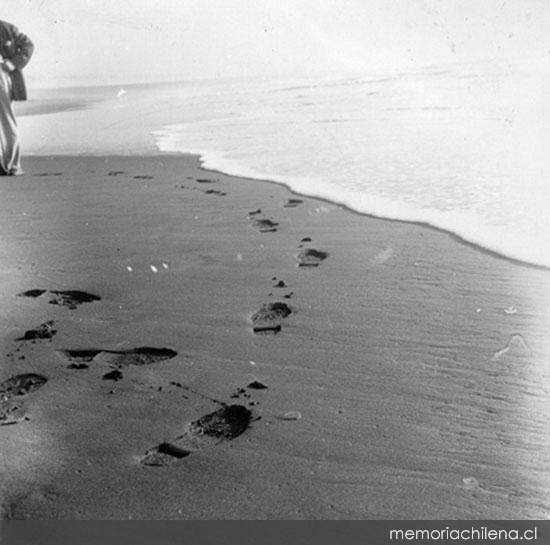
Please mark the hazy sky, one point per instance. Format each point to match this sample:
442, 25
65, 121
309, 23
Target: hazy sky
117, 41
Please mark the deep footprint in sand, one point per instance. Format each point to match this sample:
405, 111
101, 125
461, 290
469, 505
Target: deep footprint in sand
215, 192
78, 366
13, 411
43, 331
268, 319
66, 298
293, 203
311, 257
72, 298
264, 225
114, 375
144, 355
32, 293
22, 384
222, 425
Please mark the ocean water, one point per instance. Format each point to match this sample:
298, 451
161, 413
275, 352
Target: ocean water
462, 148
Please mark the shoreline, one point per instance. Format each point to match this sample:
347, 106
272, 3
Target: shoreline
406, 382
200, 158
426, 225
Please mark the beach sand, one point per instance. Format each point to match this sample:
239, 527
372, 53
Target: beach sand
410, 379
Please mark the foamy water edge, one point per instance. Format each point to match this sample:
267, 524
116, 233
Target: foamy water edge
477, 234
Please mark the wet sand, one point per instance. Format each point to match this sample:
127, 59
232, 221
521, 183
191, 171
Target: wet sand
177, 343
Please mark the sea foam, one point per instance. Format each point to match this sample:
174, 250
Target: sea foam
461, 150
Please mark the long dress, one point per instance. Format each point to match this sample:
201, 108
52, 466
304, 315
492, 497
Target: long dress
10, 160
16, 50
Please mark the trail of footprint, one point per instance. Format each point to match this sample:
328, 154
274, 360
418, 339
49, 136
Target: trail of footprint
32, 293
114, 375
43, 331
22, 384
292, 203
72, 298
225, 424
215, 192
67, 298
311, 257
268, 319
143, 355
14, 411
264, 225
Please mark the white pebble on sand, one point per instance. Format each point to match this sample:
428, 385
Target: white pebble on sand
154, 269
290, 415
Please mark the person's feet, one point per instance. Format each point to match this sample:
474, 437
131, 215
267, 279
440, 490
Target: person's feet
13, 172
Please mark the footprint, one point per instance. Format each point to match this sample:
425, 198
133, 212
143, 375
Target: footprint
268, 319
256, 385
115, 172
78, 366
265, 225
67, 298
144, 355
12, 411
205, 181
225, 424
114, 375
80, 355
311, 257
72, 298
215, 192
293, 203
49, 174
19, 385
143, 177
32, 293
43, 331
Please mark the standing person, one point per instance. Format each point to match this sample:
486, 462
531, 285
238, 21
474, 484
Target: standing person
15, 52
